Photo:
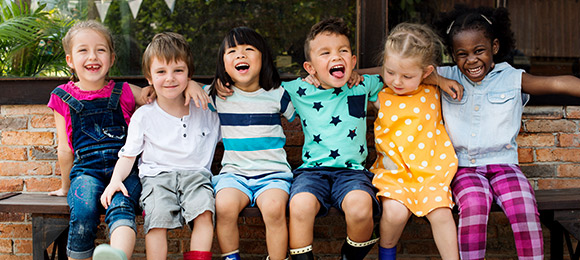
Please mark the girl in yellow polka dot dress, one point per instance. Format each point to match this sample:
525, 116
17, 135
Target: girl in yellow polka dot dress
415, 159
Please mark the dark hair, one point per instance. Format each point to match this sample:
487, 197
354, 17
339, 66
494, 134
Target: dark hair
167, 46
493, 22
330, 25
269, 77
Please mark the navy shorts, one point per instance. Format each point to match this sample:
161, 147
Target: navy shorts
330, 186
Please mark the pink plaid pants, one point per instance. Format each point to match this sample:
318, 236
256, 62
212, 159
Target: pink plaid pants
475, 188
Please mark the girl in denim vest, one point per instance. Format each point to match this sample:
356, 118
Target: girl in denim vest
484, 124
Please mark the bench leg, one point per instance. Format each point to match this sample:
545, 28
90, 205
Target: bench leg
46, 230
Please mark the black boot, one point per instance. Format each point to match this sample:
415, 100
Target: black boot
302, 253
356, 251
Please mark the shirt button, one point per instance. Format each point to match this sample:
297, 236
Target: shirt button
184, 135
473, 135
476, 108
184, 125
502, 96
472, 160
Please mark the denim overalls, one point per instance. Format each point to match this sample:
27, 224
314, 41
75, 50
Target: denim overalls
98, 132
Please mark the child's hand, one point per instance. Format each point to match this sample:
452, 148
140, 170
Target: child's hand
59, 193
147, 95
223, 91
452, 87
355, 79
112, 188
196, 93
311, 79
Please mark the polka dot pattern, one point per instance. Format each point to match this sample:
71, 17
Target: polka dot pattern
419, 146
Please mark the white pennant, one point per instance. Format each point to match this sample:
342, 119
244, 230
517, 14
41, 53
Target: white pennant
170, 4
103, 8
135, 5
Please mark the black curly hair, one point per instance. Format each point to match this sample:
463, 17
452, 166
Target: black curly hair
493, 22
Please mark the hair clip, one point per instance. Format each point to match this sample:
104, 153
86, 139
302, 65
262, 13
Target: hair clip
449, 28
485, 18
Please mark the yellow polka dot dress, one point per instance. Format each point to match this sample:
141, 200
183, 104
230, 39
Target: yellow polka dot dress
415, 159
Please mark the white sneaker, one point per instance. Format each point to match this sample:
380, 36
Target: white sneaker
106, 252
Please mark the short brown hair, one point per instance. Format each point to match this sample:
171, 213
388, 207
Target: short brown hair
330, 25
167, 46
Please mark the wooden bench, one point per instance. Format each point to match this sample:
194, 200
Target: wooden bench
559, 212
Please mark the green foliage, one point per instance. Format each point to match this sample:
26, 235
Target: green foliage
30, 40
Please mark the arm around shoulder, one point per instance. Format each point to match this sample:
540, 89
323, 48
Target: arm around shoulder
543, 85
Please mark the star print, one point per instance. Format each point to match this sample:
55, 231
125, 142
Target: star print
317, 164
304, 123
335, 120
317, 106
334, 154
348, 164
301, 91
351, 133
307, 155
337, 91
362, 149
317, 139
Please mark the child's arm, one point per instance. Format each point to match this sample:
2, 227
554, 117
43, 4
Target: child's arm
541, 85
196, 93
65, 156
142, 95
452, 87
355, 79
122, 170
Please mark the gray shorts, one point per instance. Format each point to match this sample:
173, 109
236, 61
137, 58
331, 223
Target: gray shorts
174, 198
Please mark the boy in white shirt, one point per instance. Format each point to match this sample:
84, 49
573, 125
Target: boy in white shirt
177, 145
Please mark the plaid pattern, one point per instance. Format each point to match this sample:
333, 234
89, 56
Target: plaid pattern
474, 189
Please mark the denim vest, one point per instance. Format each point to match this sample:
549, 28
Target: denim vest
483, 126
99, 130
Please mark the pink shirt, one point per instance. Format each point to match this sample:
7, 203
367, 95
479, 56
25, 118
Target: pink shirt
127, 102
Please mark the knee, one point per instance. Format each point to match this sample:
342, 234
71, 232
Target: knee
395, 216
303, 206
273, 211
205, 219
440, 216
358, 207
227, 209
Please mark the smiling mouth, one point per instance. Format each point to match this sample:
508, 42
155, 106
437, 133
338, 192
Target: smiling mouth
93, 67
242, 67
337, 71
475, 71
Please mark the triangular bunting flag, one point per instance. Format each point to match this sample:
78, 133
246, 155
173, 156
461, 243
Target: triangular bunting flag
103, 8
170, 4
135, 5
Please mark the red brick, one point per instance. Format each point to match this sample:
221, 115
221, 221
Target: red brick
16, 257
525, 155
12, 217
573, 112
13, 153
569, 170
10, 185
26, 110
543, 112
27, 138
15, 230
42, 121
558, 155
568, 140
23, 246
13, 123
535, 140
5, 246
42, 184
543, 126
43, 153
25, 168
547, 184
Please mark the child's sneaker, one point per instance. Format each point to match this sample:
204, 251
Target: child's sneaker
106, 252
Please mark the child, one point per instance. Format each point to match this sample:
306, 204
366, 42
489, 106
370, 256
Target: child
177, 145
415, 160
255, 170
91, 117
483, 127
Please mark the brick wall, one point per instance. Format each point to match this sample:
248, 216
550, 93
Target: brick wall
549, 155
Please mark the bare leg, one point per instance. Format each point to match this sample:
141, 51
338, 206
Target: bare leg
229, 203
358, 212
272, 204
123, 238
444, 232
202, 233
303, 209
156, 244
393, 221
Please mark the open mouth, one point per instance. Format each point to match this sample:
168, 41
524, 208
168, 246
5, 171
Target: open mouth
93, 67
242, 67
475, 71
337, 71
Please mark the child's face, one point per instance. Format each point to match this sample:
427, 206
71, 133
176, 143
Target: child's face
473, 53
403, 75
90, 57
331, 60
243, 64
169, 78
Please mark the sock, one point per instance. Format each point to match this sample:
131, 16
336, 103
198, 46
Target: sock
234, 255
356, 250
387, 253
304, 253
197, 255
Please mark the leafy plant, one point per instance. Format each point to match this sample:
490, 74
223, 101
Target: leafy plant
30, 40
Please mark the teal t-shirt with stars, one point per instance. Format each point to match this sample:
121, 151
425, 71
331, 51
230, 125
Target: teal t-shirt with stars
334, 122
